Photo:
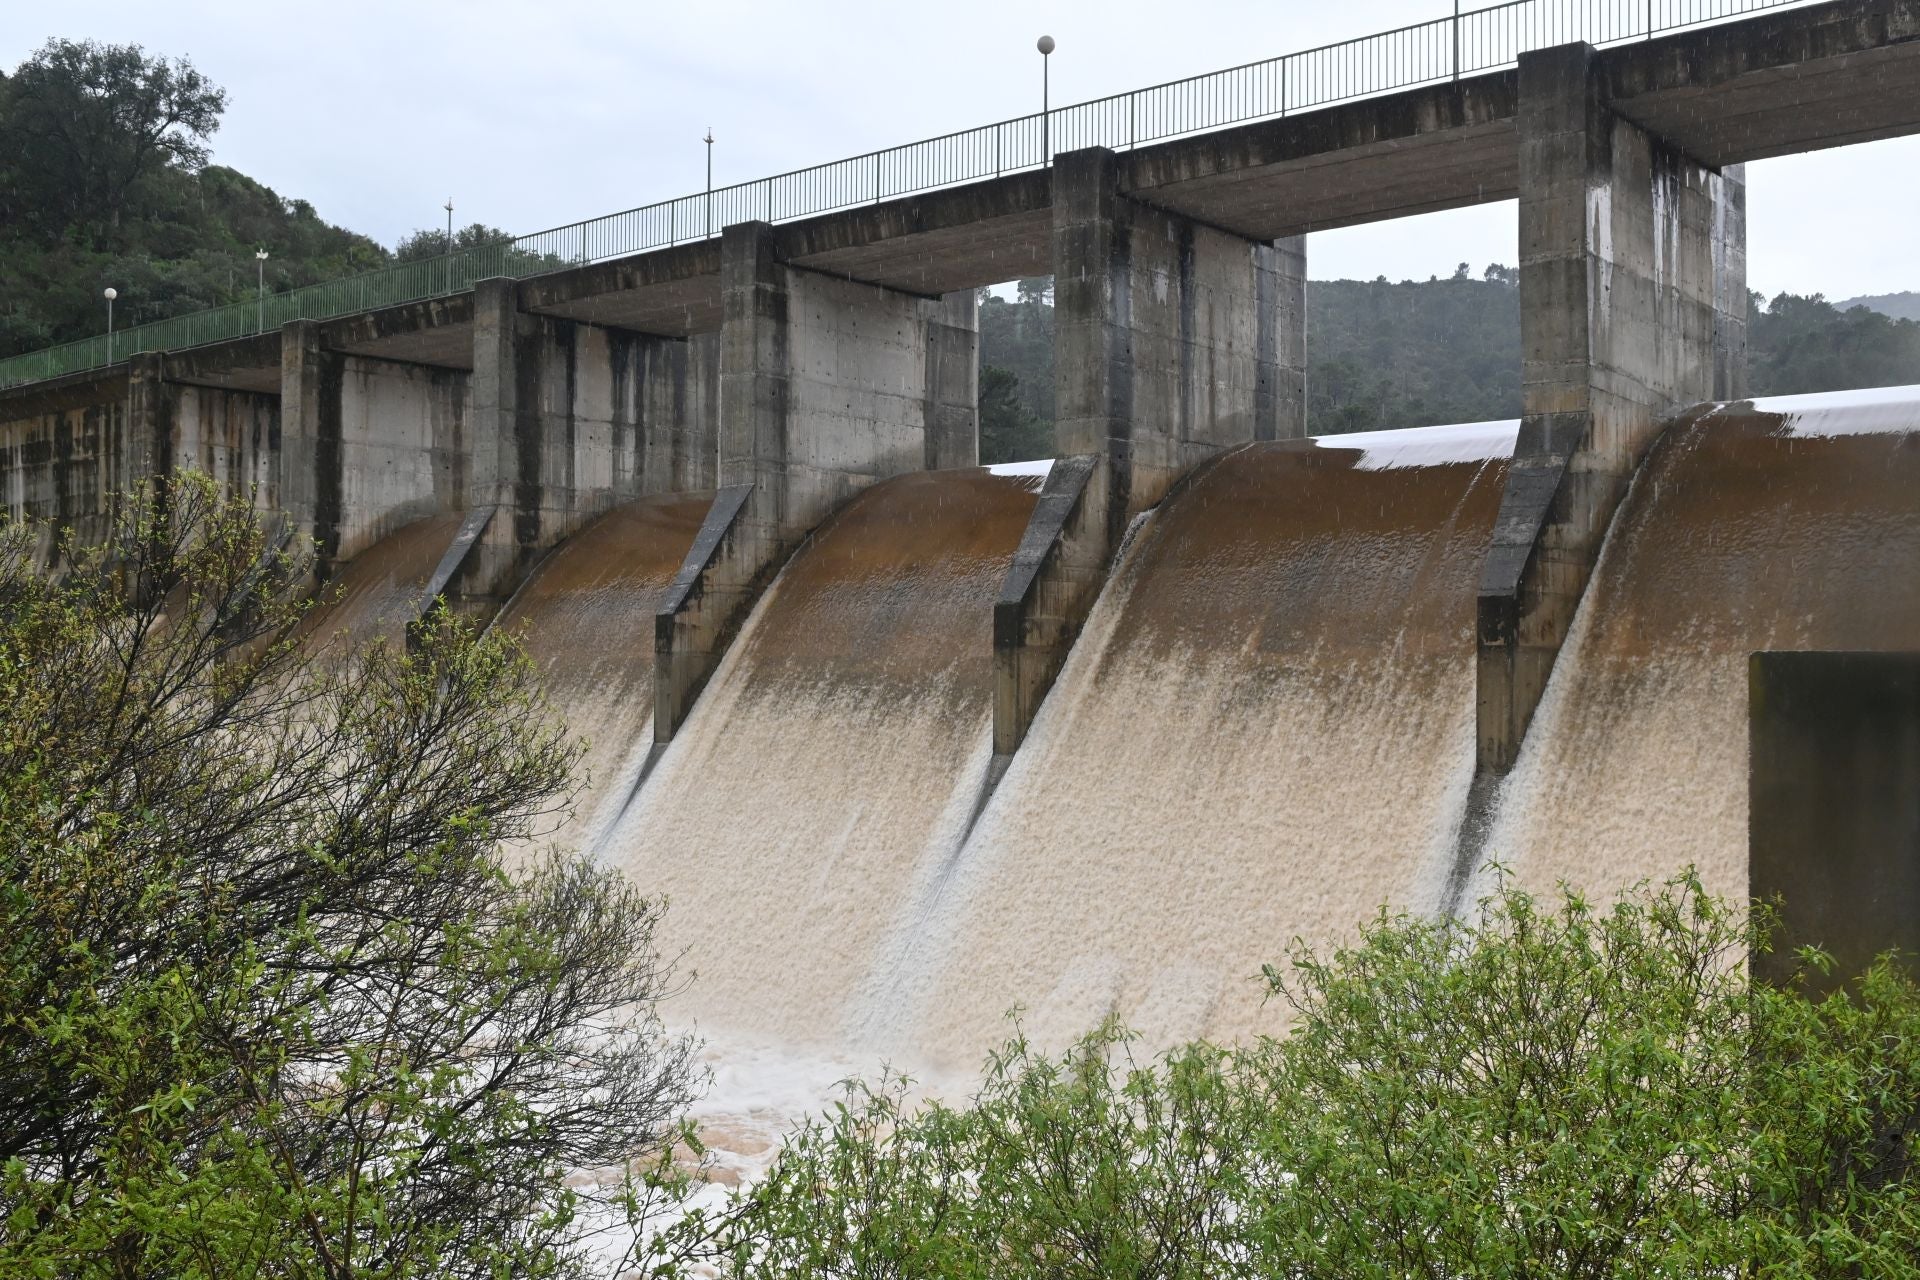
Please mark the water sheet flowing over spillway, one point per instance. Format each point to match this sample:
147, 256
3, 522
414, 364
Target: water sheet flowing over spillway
586, 619
375, 596
1789, 523
1264, 732
827, 772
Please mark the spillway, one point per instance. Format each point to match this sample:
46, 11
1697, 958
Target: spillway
1264, 732
375, 595
828, 770
1789, 523
585, 615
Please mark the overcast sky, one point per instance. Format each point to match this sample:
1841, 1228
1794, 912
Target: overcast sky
533, 115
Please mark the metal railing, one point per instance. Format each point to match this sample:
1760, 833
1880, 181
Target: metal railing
1462, 44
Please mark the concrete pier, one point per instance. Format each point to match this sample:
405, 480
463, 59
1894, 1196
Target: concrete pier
827, 384
1632, 304
569, 418
1174, 340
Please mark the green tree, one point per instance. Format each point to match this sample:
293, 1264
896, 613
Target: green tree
1089, 1165
271, 1002
431, 243
86, 122
1548, 1089
1800, 344
1008, 432
1559, 1090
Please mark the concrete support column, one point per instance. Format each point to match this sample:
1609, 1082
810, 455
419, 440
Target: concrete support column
504, 467
311, 479
1173, 343
147, 445
826, 386
953, 382
1632, 304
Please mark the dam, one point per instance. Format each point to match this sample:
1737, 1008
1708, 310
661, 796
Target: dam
909, 742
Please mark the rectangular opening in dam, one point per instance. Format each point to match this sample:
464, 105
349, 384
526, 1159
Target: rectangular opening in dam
1016, 370
1415, 321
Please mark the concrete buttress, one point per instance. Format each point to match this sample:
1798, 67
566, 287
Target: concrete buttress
826, 385
1174, 341
1632, 304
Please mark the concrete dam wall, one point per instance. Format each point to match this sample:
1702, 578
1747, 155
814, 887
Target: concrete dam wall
910, 742
1265, 731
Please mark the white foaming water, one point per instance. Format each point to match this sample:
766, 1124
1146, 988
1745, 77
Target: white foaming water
1427, 446
1870, 411
1040, 467
1788, 524
1264, 732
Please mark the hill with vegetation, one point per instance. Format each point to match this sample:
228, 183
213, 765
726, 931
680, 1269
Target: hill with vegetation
1417, 353
105, 181
1901, 306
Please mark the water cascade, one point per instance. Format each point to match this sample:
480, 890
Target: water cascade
1264, 732
1790, 523
585, 616
375, 595
830, 766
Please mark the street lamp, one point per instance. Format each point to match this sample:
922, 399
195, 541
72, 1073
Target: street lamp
449, 224
110, 295
1046, 46
260, 260
709, 141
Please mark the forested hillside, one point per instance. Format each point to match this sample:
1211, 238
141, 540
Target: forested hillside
1418, 353
105, 181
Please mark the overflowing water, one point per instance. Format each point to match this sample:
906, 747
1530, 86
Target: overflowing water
585, 616
1789, 523
378, 593
828, 769
1263, 733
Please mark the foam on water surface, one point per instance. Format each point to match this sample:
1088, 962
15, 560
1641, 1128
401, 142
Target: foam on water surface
1870, 411
1426, 446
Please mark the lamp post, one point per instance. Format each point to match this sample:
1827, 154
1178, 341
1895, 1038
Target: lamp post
110, 295
260, 261
449, 208
709, 141
1046, 46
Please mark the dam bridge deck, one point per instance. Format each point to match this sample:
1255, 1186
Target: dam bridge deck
1791, 80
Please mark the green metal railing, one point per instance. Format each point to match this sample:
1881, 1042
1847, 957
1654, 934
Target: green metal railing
1464, 43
